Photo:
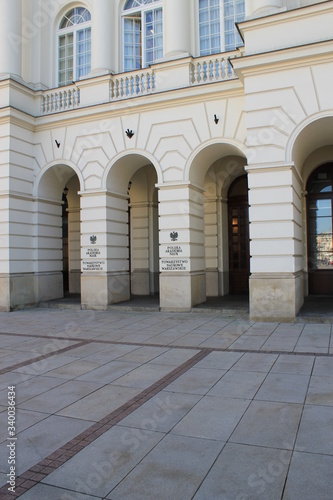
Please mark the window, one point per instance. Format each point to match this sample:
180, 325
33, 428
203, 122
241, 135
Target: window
143, 33
217, 30
74, 46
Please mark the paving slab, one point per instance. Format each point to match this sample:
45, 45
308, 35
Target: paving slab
32, 388
273, 425
238, 384
296, 364
284, 387
109, 372
316, 430
323, 367
62, 396
41, 439
246, 472
46, 492
310, 477
212, 418
173, 469
220, 360
320, 391
103, 464
100, 403
162, 412
254, 362
196, 381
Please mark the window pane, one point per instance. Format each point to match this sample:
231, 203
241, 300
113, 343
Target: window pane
234, 11
132, 44
78, 19
209, 26
153, 36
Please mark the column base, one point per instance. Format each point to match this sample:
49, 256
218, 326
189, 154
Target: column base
17, 291
49, 286
75, 281
98, 291
140, 282
181, 292
275, 298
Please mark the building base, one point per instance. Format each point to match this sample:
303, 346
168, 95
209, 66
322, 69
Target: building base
275, 298
182, 292
98, 291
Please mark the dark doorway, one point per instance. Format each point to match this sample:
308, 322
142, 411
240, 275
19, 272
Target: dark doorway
239, 251
319, 220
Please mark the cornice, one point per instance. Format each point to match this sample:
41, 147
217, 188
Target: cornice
285, 58
284, 16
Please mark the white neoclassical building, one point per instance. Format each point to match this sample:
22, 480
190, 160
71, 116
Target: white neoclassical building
174, 147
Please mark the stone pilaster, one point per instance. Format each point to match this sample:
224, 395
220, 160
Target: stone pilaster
182, 251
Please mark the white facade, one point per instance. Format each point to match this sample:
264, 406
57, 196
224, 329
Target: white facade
152, 212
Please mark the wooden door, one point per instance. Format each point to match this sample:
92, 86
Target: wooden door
239, 252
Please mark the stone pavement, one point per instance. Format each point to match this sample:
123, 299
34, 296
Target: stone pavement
145, 405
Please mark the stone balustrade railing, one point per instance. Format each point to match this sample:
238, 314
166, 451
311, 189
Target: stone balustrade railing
133, 84
211, 69
60, 99
162, 77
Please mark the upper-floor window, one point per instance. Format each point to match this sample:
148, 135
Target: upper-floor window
142, 33
217, 30
74, 46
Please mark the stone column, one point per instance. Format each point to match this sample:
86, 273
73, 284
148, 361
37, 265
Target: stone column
276, 281
11, 37
257, 7
182, 251
104, 250
104, 37
177, 34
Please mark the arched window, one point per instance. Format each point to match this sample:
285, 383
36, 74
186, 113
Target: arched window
142, 33
74, 46
217, 30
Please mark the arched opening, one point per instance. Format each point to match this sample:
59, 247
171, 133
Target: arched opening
132, 229
311, 150
320, 235
143, 233
58, 242
238, 233
215, 168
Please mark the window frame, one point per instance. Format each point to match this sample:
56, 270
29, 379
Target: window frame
130, 13
222, 30
74, 29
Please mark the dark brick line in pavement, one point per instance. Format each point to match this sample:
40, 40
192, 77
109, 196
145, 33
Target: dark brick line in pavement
141, 344
42, 357
166, 346
42, 469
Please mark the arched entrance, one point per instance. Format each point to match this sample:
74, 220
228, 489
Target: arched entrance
131, 240
224, 164
143, 233
238, 232
58, 242
319, 224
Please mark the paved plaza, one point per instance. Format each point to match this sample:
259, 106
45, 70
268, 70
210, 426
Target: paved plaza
155, 405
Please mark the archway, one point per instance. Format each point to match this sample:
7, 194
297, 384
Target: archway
132, 241
219, 176
58, 243
311, 149
143, 233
